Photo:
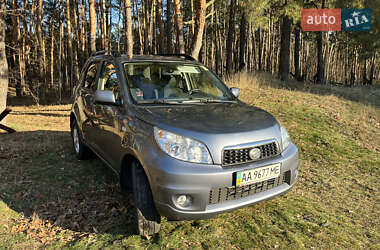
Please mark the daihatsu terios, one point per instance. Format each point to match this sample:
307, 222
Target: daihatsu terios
178, 137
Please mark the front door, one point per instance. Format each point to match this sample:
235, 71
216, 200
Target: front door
87, 94
108, 133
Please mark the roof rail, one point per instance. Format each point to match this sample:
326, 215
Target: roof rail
106, 52
179, 55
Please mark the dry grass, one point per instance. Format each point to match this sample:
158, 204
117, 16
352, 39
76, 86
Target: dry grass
358, 119
48, 199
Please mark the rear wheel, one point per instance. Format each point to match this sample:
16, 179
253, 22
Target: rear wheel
148, 220
82, 152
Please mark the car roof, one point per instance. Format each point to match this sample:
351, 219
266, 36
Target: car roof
149, 58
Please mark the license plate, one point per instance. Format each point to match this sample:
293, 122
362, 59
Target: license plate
258, 175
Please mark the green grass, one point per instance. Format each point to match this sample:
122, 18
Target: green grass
48, 199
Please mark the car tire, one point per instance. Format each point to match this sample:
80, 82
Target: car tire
125, 181
148, 219
82, 152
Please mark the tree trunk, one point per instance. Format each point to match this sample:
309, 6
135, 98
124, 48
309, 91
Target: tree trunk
160, 26
192, 16
285, 49
60, 45
109, 25
32, 16
76, 43
326, 57
145, 29
92, 25
297, 72
3, 60
204, 48
216, 41
259, 48
275, 45
129, 36
352, 77
140, 27
151, 25
212, 38
221, 54
235, 55
264, 37
201, 16
320, 77
169, 27
70, 55
41, 48
179, 26
52, 42
243, 41
19, 47
254, 50
230, 37
25, 33
66, 74
268, 62
119, 27
103, 26
83, 33
364, 73
320, 63
372, 70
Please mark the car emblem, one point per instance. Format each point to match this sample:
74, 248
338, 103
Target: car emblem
255, 153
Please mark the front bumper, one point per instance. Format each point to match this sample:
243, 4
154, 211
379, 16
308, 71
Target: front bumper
170, 178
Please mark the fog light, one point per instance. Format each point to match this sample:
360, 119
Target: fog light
183, 200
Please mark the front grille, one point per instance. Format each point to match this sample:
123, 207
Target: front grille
219, 195
238, 156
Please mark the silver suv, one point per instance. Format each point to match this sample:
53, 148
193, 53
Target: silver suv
178, 137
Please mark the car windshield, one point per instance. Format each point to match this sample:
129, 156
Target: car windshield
174, 83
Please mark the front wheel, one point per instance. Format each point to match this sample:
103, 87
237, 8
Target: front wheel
148, 220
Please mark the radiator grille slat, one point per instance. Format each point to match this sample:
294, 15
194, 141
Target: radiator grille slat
239, 156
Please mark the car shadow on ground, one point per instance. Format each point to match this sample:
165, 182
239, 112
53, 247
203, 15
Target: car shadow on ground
42, 114
28, 100
41, 178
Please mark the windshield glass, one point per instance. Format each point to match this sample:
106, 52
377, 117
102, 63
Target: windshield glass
173, 82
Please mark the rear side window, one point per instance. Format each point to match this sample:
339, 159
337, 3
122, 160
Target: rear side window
89, 80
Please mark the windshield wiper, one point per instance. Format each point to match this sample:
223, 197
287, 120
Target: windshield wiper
179, 102
209, 100
159, 101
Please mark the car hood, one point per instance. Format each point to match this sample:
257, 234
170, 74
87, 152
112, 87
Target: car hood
208, 118
217, 125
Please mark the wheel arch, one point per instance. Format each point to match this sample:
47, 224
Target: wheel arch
72, 118
126, 170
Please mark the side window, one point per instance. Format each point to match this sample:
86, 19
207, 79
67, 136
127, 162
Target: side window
108, 79
89, 80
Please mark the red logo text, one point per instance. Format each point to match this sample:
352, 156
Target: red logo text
321, 19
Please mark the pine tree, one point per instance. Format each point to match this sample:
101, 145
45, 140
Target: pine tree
129, 36
198, 37
92, 25
3, 59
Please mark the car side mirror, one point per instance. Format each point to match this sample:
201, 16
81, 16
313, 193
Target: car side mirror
105, 97
235, 92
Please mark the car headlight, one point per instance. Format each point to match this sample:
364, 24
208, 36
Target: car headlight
285, 138
181, 147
